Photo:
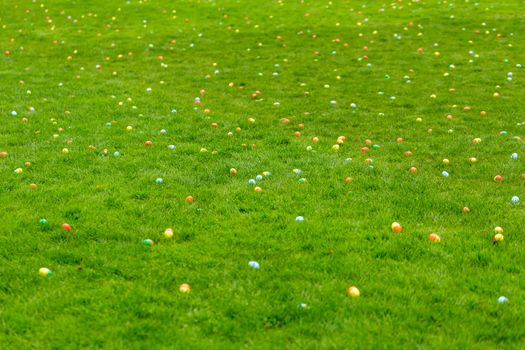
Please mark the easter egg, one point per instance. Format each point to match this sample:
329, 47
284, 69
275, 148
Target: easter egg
299, 219
258, 189
434, 238
498, 229
149, 242
45, 272
66, 226
168, 233
252, 182
353, 292
466, 209
159, 180
19, 171
514, 156
189, 199
515, 199
233, 171
413, 170
498, 178
497, 238
502, 299
148, 143
446, 161
396, 227
254, 265
42, 222
444, 173
185, 288
3, 154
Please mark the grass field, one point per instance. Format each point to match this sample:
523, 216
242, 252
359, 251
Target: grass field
346, 110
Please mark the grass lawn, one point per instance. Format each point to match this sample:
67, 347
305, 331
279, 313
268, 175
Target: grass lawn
301, 130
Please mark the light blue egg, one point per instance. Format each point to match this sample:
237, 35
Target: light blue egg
254, 264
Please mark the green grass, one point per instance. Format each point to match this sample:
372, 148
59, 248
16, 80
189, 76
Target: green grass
111, 291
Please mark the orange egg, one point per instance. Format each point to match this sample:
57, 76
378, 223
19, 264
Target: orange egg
258, 189
434, 238
189, 199
148, 143
413, 170
396, 227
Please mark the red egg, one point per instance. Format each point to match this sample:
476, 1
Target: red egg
498, 178
66, 227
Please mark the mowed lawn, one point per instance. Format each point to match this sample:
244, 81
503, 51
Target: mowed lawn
301, 130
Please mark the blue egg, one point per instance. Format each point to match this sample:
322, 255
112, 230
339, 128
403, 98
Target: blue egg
159, 180
254, 264
252, 182
259, 177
